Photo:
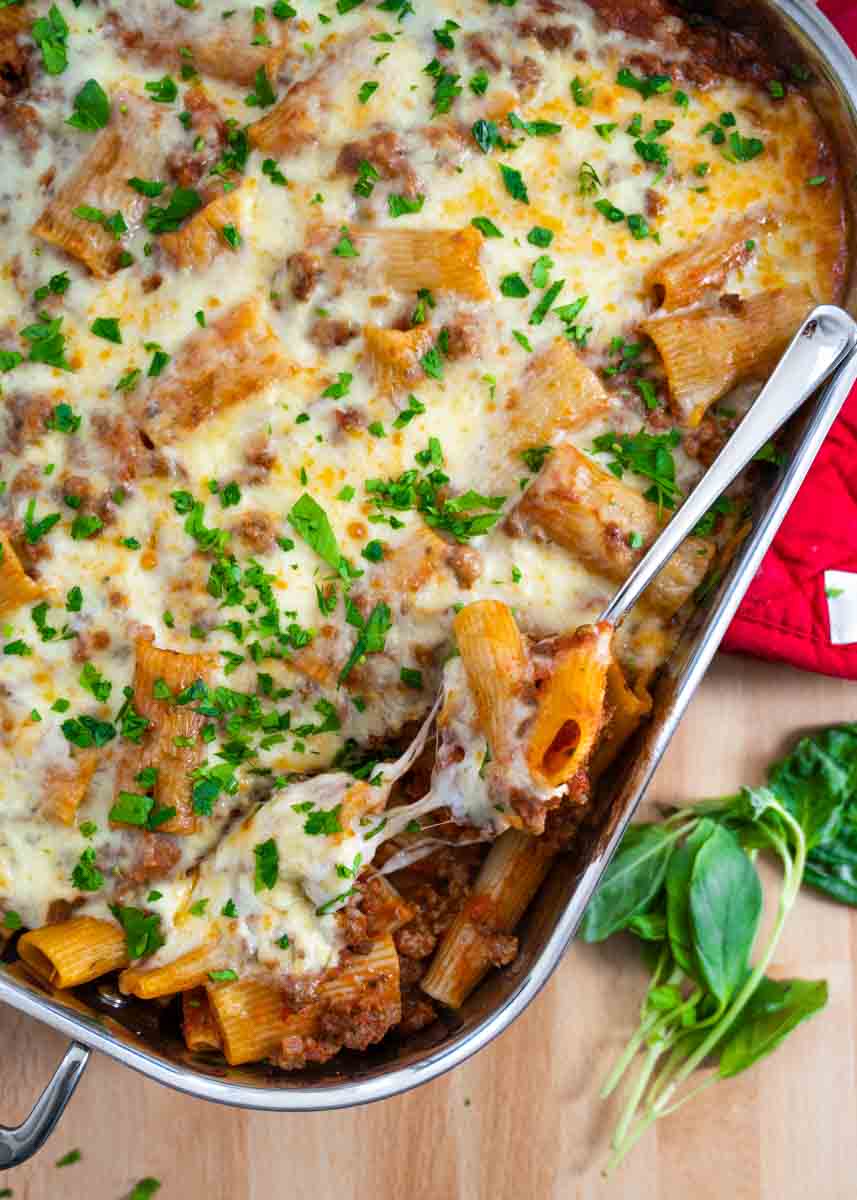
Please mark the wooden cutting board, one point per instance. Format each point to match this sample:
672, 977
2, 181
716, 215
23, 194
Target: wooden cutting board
521, 1120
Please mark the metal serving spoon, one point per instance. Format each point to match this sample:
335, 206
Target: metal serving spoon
824, 341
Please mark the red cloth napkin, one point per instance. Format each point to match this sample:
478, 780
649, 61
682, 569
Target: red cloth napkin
786, 614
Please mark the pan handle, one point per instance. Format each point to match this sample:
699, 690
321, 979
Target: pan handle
21, 1142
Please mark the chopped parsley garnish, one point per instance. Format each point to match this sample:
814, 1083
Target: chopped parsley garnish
638, 225
534, 128
107, 328
91, 680
367, 177
87, 731
227, 975
373, 551
539, 236
129, 380
35, 530
415, 408
535, 456
744, 149
610, 211
273, 172
68, 1160
323, 822
411, 678
163, 91
159, 361
514, 183
183, 203
91, 108
648, 86
459, 516
267, 868
513, 285
581, 93
367, 89
425, 301
50, 34
86, 525
142, 930
478, 83
400, 206
86, 876
344, 248
371, 637
63, 419
645, 454
444, 36
132, 808
231, 236
146, 187
47, 343
486, 227
588, 181
310, 522
11, 920
446, 87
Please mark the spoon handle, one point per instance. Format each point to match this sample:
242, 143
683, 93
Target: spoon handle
825, 339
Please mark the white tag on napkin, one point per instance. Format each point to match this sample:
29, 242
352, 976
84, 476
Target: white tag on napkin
840, 587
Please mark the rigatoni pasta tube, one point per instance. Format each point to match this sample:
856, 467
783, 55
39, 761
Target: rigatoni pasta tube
167, 722
129, 146
254, 1019
74, 952
516, 865
187, 971
233, 52
217, 367
495, 662
682, 278
570, 706
199, 1027
16, 586
65, 788
442, 260
201, 239
299, 117
590, 512
395, 356
707, 351
626, 710
558, 393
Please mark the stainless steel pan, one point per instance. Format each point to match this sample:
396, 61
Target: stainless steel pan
96, 1018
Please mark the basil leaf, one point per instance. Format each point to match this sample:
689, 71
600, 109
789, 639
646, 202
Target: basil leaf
816, 781
651, 927
776, 1008
725, 907
630, 883
678, 897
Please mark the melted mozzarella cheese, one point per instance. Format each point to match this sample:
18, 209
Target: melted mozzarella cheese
144, 570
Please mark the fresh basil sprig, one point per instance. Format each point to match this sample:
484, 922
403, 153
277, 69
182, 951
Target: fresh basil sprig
689, 889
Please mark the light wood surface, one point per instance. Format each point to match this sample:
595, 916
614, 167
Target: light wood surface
521, 1120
